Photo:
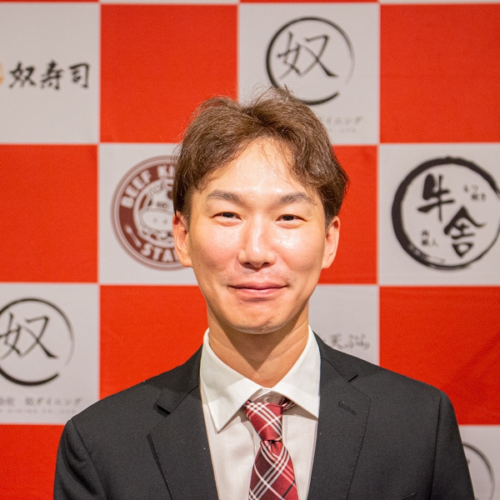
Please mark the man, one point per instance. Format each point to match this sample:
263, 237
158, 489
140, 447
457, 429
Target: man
264, 410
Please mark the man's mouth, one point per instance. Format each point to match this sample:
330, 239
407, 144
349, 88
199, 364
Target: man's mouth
258, 289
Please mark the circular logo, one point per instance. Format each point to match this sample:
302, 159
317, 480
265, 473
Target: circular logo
143, 210
446, 213
481, 471
36, 341
312, 57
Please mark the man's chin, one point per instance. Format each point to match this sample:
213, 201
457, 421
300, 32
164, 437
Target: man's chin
253, 320
257, 327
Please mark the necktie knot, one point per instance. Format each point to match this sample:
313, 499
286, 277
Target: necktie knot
266, 418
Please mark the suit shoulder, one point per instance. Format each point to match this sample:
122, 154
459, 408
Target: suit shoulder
133, 402
138, 403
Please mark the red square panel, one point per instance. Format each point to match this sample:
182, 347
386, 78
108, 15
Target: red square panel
440, 73
447, 337
356, 260
28, 461
146, 330
158, 62
49, 213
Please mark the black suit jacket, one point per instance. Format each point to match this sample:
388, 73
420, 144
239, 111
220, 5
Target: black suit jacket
381, 436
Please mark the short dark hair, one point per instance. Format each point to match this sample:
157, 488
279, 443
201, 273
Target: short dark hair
221, 129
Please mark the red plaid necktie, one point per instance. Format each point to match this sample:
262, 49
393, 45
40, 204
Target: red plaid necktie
272, 475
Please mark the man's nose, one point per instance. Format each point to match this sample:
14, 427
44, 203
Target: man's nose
256, 248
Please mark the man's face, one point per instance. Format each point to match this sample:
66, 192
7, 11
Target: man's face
257, 242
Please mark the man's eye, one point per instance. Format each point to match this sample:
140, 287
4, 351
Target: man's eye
227, 215
288, 218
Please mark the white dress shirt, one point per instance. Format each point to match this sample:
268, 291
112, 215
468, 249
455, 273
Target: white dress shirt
232, 439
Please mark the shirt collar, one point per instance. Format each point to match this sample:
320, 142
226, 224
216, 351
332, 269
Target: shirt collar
226, 390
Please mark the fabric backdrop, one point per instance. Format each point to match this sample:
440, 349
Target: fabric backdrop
94, 98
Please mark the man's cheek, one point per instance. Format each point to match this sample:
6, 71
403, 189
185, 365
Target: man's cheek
301, 253
221, 246
212, 255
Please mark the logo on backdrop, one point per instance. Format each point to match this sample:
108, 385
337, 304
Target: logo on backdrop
50, 77
313, 57
481, 471
344, 342
446, 213
143, 210
36, 341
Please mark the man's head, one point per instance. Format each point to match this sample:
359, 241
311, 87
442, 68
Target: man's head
257, 193
223, 128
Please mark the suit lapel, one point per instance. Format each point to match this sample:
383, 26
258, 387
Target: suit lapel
181, 445
342, 419
180, 441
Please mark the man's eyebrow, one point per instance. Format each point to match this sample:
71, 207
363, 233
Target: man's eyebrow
219, 194
298, 197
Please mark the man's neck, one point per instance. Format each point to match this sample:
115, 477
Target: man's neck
264, 358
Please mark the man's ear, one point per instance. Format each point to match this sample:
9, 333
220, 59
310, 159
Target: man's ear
181, 239
331, 243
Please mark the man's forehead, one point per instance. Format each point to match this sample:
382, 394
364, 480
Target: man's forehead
258, 163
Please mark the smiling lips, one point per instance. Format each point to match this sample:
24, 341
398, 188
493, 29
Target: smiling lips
258, 289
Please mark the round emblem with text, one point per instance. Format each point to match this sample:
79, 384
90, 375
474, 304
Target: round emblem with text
481, 472
311, 56
446, 213
36, 341
143, 210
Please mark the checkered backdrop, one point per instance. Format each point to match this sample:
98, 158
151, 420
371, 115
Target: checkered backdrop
94, 98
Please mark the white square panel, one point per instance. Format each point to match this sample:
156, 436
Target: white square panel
346, 317
49, 351
439, 214
135, 216
177, 2
482, 449
327, 54
50, 87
